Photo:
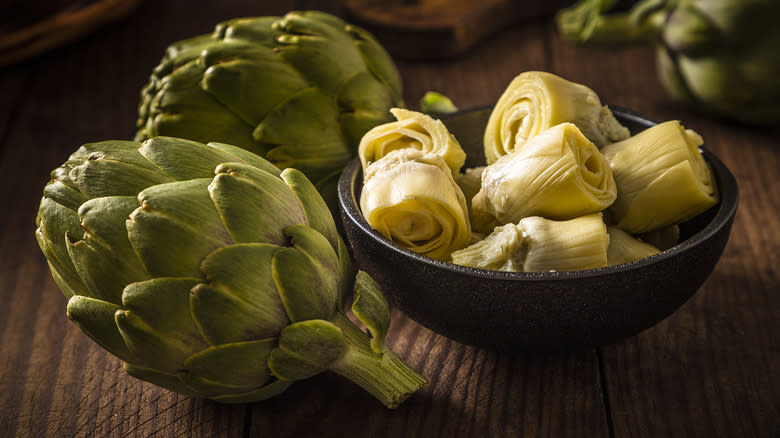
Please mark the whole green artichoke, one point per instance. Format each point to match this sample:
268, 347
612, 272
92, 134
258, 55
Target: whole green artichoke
721, 55
211, 272
299, 90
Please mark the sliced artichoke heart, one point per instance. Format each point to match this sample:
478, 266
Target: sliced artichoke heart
662, 178
535, 101
624, 248
412, 199
559, 174
411, 130
536, 244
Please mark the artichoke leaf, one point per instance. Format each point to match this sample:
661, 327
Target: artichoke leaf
176, 227
436, 104
310, 42
254, 205
156, 322
304, 132
316, 210
306, 348
239, 284
104, 258
182, 109
65, 193
58, 224
157, 350
184, 159
372, 309
271, 389
170, 381
258, 30
378, 61
241, 366
241, 155
96, 318
249, 79
307, 275
108, 171
364, 101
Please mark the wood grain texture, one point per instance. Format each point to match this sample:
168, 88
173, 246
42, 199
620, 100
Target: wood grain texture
709, 370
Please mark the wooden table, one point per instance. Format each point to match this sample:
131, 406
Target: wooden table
709, 370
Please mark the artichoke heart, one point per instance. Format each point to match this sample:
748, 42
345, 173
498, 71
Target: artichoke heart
412, 199
411, 130
559, 174
536, 244
624, 248
662, 178
535, 101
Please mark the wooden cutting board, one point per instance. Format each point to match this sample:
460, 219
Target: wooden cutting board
434, 29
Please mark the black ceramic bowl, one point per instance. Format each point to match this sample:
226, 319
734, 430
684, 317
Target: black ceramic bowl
542, 311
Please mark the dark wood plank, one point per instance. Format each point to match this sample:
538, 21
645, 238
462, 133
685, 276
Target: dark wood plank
472, 392
708, 370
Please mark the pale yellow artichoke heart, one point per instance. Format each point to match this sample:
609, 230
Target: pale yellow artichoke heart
411, 130
412, 199
559, 174
662, 178
535, 101
536, 244
624, 247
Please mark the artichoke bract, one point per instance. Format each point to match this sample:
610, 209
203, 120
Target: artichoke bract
720, 55
299, 90
211, 272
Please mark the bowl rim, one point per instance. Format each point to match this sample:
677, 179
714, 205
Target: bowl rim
726, 210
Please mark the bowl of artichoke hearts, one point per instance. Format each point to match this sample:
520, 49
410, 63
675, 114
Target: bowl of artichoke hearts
545, 222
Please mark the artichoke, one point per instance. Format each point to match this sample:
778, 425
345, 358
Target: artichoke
661, 177
536, 244
211, 272
624, 248
299, 90
558, 174
720, 55
412, 130
412, 199
537, 100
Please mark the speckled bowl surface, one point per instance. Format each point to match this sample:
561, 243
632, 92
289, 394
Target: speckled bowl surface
542, 311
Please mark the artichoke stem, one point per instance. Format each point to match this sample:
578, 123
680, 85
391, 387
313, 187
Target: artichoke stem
586, 22
383, 375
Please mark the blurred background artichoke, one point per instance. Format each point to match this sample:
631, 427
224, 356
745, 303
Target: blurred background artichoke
299, 90
719, 55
